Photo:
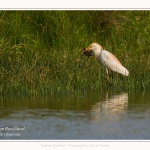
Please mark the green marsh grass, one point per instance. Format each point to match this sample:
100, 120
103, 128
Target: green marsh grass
40, 51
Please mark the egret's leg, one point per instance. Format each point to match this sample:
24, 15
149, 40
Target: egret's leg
107, 74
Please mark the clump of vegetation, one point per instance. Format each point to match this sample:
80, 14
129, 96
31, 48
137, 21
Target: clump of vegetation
40, 51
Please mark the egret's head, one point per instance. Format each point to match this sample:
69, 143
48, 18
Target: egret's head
94, 47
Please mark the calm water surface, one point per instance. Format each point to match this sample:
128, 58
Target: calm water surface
102, 116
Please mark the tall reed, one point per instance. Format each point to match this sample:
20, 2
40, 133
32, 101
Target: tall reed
40, 51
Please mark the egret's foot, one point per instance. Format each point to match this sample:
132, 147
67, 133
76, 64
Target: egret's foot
108, 81
107, 78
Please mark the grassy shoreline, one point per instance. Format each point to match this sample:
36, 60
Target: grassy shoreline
40, 51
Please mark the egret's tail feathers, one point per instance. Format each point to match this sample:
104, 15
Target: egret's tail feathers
122, 70
126, 73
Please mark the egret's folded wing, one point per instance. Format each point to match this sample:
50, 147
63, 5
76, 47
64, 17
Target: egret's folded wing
112, 63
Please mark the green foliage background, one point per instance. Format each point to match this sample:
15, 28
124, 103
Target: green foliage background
40, 51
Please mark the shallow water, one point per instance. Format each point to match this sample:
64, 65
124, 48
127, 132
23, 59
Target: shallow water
102, 116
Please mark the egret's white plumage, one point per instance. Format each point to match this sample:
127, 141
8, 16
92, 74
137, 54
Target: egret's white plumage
107, 59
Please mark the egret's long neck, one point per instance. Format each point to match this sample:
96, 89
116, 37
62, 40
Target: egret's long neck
97, 52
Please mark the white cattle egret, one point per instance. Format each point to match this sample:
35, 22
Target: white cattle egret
108, 60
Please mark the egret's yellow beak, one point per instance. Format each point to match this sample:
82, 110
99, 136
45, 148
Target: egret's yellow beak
87, 49
87, 52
